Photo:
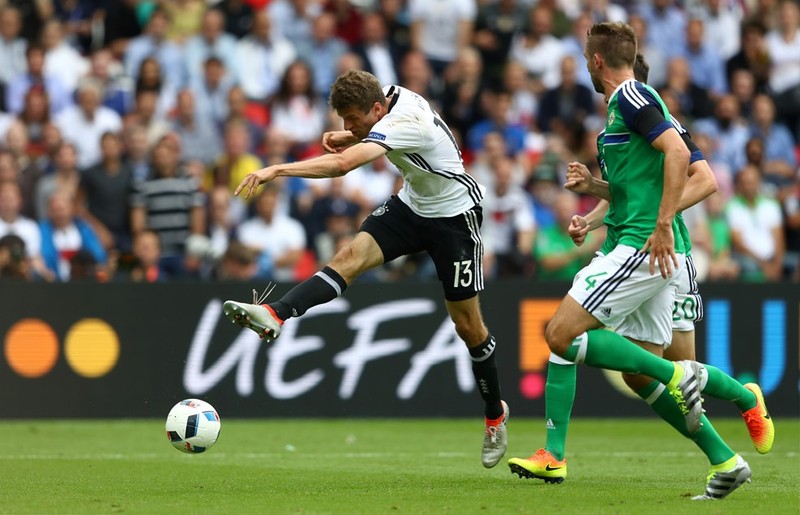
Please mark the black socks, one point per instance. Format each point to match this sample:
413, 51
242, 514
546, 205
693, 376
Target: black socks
322, 287
484, 368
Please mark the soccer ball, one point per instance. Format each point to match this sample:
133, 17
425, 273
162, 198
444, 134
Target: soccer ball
193, 426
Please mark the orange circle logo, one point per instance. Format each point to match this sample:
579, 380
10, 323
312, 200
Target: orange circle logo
31, 348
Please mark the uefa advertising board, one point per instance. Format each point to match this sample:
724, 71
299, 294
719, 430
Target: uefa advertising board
382, 350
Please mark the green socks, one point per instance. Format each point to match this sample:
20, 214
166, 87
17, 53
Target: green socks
605, 349
707, 438
722, 386
559, 395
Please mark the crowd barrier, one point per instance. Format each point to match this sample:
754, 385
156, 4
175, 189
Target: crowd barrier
382, 350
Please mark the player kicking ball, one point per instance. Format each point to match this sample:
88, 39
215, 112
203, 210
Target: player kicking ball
437, 210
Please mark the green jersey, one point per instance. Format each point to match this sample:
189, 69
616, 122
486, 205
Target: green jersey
634, 169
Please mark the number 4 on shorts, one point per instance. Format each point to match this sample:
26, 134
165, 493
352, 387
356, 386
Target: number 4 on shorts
590, 280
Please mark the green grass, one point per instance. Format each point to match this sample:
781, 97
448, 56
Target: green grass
375, 466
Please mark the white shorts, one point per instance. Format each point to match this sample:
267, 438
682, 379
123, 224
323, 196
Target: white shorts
618, 290
688, 307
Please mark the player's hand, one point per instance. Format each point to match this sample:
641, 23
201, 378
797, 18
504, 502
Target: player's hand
578, 229
336, 141
661, 245
579, 179
253, 180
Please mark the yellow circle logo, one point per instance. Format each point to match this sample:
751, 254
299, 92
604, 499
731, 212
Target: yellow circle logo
31, 348
91, 348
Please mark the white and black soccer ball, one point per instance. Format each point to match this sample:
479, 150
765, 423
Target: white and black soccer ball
193, 426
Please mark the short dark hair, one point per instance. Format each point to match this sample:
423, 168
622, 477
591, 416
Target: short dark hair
641, 69
615, 41
356, 88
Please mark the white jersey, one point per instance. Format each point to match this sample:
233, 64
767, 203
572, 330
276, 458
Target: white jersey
421, 146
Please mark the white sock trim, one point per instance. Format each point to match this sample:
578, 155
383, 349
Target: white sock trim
330, 281
582, 341
656, 394
558, 360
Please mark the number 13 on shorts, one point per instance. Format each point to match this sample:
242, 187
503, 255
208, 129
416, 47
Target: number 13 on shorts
463, 273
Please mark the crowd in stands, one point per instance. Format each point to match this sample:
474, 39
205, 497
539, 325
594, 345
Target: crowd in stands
125, 126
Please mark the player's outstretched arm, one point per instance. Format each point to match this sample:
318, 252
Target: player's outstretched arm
338, 141
329, 165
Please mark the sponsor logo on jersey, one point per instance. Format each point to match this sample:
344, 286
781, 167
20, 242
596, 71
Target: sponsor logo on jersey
376, 135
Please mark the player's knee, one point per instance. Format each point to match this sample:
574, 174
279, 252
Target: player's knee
557, 338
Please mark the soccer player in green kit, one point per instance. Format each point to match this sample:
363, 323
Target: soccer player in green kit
646, 161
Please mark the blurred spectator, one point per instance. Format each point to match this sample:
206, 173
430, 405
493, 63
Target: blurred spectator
225, 212
136, 154
35, 116
495, 147
441, 29
292, 19
153, 43
562, 22
722, 172
574, 46
727, 130
146, 265
524, 104
779, 160
64, 235
13, 222
236, 161
371, 184
653, 54
146, 114
60, 97
186, 18
567, 103
495, 26
332, 216
12, 48
498, 104
151, 80
705, 62
117, 87
104, 193
322, 52
379, 54
753, 55
664, 20
199, 136
539, 51
416, 74
120, 26
721, 266
756, 229
398, 23
557, 257
211, 92
61, 60
64, 179
83, 267
84, 123
349, 20
211, 41
280, 240
605, 10
264, 57
783, 45
743, 88
78, 18
14, 265
238, 263
509, 227
238, 17
240, 110
169, 203
298, 111
722, 23
694, 101
463, 83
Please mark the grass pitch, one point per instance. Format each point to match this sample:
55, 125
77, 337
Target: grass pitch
376, 466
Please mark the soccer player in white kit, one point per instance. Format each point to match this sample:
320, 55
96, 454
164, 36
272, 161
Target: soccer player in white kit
437, 211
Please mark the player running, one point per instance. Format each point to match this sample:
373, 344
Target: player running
437, 210
548, 463
646, 161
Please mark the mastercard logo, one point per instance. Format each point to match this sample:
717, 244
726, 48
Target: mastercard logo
91, 348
